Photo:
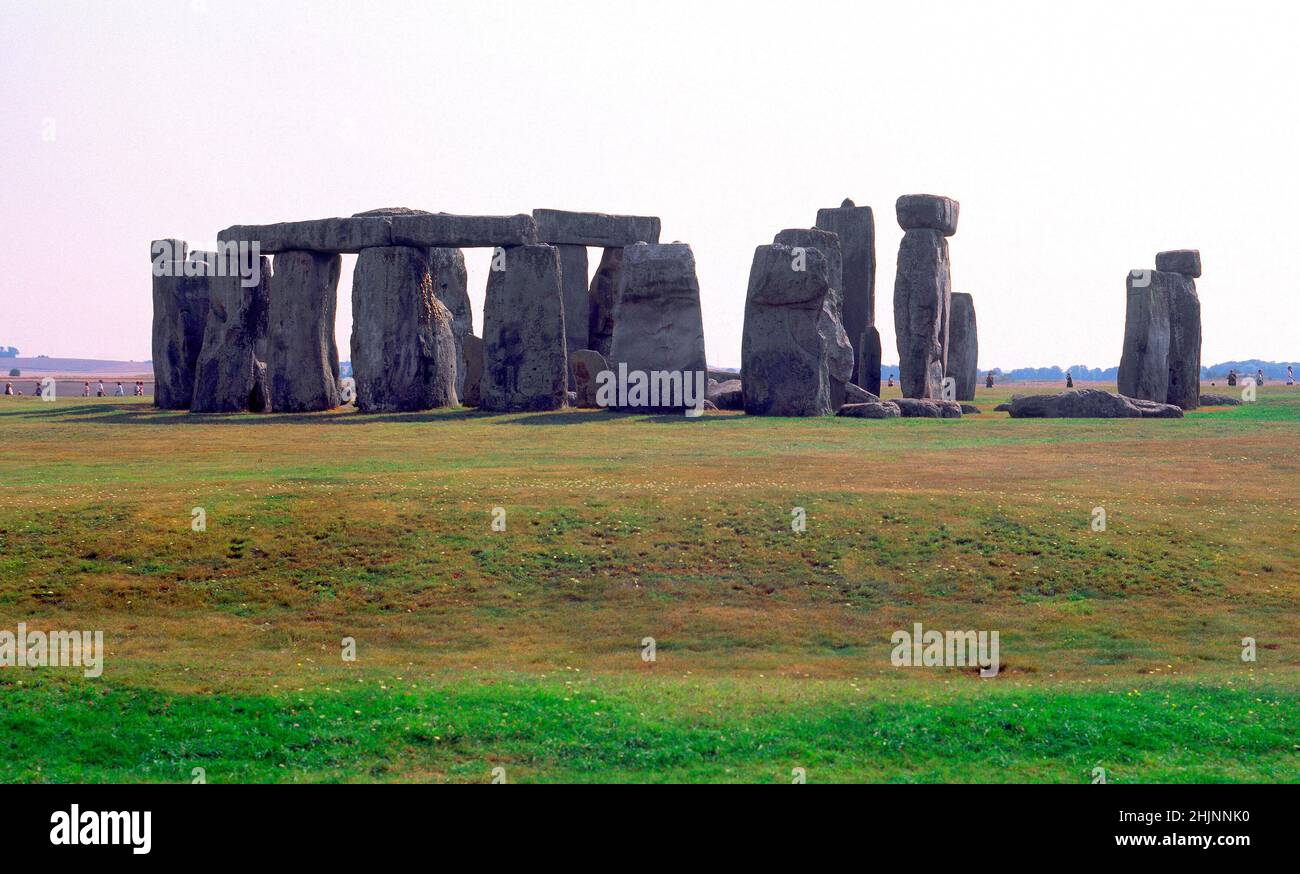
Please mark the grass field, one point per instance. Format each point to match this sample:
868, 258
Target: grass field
522, 649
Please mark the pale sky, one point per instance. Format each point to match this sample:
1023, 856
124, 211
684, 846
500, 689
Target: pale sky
1080, 138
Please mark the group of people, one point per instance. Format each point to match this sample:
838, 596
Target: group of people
1233, 378
100, 391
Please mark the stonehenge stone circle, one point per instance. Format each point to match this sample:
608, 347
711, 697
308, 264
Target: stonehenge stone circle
963, 346
404, 351
525, 365
601, 298
658, 324
783, 358
303, 358
856, 228
1182, 266
1144, 365
922, 292
584, 366
180, 313
839, 351
229, 375
451, 287
573, 276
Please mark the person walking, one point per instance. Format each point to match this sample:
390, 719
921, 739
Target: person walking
99, 389
119, 391
988, 380
139, 388
1259, 377
1069, 380
1290, 375
9, 388
85, 389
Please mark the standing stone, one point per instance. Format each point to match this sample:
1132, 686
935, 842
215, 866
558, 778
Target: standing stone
922, 292
585, 365
963, 348
601, 300
1183, 266
403, 346
1144, 366
451, 287
302, 357
573, 275
658, 324
472, 366
869, 367
856, 228
229, 376
524, 361
839, 351
783, 359
180, 312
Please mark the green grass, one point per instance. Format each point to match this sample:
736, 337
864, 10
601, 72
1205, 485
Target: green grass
1121, 649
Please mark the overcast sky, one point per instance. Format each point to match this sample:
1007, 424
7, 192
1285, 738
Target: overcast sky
1080, 138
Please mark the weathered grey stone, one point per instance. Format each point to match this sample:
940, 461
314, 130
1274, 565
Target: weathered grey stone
783, 359
227, 377
445, 231
472, 365
722, 374
1184, 261
839, 351
557, 226
1002, 408
1088, 403
1212, 400
1184, 342
601, 299
573, 278
970, 410
525, 365
871, 410
856, 228
727, 395
332, 235
386, 227
180, 313
869, 366
1144, 365
302, 357
963, 346
928, 408
658, 325
404, 353
451, 287
855, 394
922, 288
928, 212
585, 365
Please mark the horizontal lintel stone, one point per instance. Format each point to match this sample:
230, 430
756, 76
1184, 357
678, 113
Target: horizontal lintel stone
557, 226
349, 236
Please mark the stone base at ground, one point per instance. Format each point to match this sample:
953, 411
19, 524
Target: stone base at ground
1090, 403
878, 410
928, 408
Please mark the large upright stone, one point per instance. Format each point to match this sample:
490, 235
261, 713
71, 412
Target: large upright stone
963, 346
404, 353
869, 366
230, 376
180, 312
1184, 342
601, 299
471, 362
783, 359
302, 356
839, 350
573, 276
451, 287
856, 228
658, 324
922, 292
1144, 366
524, 361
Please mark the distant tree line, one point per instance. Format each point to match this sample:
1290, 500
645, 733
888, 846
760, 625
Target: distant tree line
1249, 367
8, 352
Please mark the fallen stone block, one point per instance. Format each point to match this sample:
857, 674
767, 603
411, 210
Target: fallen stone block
928, 408
1212, 400
876, 410
1089, 403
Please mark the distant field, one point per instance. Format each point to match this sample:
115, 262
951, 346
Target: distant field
522, 649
